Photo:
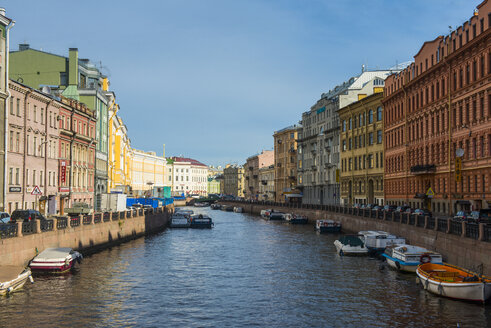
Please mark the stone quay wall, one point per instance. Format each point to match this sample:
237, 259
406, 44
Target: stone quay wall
460, 243
86, 233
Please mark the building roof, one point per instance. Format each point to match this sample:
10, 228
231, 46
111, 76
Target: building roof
187, 160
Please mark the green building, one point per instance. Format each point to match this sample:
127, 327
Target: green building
74, 78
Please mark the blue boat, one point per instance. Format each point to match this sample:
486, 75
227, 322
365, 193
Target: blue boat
200, 221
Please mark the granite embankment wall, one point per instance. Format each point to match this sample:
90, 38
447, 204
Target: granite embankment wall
85, 233
457, 243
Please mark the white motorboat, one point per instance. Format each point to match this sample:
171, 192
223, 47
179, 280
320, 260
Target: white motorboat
180, 220
351, 245
296, 219
13, 278
377, 241
408, 257
56, 260
327, 226
265, 213
238, 209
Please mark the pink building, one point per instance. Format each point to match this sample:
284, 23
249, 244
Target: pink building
251, 168
32, 163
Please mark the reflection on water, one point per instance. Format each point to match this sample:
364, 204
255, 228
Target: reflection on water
244, 272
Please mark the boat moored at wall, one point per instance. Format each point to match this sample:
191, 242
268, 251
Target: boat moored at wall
296, 219
201, 221
238, 209
408, 257
56, 260
179, 220
351, 245
324, 226
377, 241
454, 282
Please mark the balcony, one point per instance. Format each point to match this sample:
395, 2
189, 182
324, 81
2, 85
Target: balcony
423, 169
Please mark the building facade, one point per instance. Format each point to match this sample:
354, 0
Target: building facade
147, 172
234, 180
119, 155
32, 159
190, 177
285, 162
266, 183
76, 153
252, 166
5, 26
74, 78
362, 172
319, 141
438, 122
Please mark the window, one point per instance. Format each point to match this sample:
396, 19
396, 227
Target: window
11, 174
11, 141
11, 106
370, 116
17, 176
34, 113
379, 113
42, 115
17, 141
18, 107
344, 126
379, 136
370, 138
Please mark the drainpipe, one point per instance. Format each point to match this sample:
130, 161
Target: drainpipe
24, 153
46, 156
6, 114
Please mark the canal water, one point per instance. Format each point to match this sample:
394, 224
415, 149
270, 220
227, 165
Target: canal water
245, 272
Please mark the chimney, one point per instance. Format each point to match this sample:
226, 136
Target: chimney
23, 46
73, 66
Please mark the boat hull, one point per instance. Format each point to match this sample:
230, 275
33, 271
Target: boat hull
328, 229
299, 221
346, 250
453, 287
399, 265
13, 285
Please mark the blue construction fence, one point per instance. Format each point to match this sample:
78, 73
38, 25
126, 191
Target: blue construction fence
154, 202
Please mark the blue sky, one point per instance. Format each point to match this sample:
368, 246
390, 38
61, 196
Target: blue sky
213, 79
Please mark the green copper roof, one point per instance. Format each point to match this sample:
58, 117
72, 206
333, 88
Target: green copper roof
71, 92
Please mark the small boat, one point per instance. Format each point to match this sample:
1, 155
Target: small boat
265, 213
351, 245
227, 208
296, 219
56, 260
238, 209
377, 241
327, 226
408, 257
179, 220
200, 221
215, 206
276, 216
201, 204
13, 278
454, 282
184, 212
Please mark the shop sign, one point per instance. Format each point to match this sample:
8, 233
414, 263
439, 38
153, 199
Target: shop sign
63, 172
15, 189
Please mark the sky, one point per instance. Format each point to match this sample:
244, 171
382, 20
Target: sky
213, 79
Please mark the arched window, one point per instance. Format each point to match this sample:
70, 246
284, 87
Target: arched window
379, 114
370, 116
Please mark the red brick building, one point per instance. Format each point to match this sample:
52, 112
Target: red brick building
437, 105
76, 124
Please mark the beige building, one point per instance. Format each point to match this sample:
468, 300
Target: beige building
233, 180
252, 166
266, 183
147, 172
362, 151
285, 163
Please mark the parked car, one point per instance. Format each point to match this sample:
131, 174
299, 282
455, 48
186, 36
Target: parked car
377, 208
401, 209
4, 217
463, 216
369, 206
26, 215
419, 211
409, 210
390, 208
356, 205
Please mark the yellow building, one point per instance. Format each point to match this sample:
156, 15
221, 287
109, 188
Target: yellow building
362, 151
119, 156
233, 180
148, 171
285, 163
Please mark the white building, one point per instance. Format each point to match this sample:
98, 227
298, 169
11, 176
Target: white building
189, 176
